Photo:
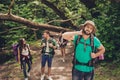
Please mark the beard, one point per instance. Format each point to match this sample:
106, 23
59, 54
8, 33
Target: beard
86, 32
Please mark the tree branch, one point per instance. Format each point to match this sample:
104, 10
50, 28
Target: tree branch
12, 29
30, 23
11, 5
64, 20
59, 13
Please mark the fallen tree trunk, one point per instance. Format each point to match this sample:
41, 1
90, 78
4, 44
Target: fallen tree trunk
28, 23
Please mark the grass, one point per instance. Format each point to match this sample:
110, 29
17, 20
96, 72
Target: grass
108, 71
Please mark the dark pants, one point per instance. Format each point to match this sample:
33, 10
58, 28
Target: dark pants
26, 69
79, 75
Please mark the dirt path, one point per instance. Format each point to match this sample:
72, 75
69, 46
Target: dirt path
60, 70
10, 70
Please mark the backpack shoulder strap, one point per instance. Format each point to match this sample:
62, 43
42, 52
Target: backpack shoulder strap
76, 43
53, 41
43, 41
92, 42
28, 48
77, 40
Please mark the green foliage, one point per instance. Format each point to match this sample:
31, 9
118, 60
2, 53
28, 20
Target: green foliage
108, 28
5, 2
108, 71
107, 22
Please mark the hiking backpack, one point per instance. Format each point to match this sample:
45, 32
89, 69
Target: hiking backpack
44, 48
15, 50
93, 61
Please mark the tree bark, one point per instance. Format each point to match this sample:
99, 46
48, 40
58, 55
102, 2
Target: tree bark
28, 23
10, 7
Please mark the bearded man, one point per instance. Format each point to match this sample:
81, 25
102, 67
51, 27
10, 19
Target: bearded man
83, 53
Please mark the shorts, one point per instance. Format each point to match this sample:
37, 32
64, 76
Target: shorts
46, 58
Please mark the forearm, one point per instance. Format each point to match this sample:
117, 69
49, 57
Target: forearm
70, 35
102, 51
18, 56
42, 46
54, 47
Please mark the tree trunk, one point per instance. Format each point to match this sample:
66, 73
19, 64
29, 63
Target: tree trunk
29, 23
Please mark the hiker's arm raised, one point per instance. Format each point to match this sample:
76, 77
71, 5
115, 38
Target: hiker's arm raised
70, 35
100, 51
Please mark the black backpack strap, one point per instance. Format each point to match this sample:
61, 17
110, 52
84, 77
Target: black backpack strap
75, 61
43, 48
76, 43
93, 60
92, 42
30, 56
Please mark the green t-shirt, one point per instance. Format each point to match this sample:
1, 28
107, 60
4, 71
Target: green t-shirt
83, 54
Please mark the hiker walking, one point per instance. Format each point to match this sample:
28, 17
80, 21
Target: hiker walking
84, 54
24, 57
62, 44
48, 46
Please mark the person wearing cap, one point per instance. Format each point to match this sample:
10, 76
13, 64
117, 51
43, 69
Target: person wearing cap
83, 53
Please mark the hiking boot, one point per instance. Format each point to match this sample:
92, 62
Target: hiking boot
49, 78
28, 74
26, 78
42, 77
